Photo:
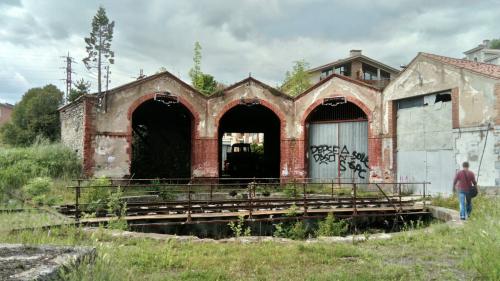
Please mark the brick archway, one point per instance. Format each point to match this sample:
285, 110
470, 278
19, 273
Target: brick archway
355, 101
281, 116
374, 144
194, 124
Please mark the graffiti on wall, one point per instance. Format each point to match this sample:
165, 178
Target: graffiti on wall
355, 161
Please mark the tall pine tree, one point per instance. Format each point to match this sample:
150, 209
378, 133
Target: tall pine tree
99, 44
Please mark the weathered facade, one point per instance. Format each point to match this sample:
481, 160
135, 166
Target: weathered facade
438, 113
183, 128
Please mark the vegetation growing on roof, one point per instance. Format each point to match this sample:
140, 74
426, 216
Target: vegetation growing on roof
297, 80
203, 82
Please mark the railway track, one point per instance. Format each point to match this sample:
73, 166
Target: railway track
216, 208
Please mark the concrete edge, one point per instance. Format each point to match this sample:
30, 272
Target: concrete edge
51, 272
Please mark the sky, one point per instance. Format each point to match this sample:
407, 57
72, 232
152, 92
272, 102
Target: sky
261, 37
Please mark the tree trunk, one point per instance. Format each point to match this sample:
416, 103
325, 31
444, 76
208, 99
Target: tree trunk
99, 63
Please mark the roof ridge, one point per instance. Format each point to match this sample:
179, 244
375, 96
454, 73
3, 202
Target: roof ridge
488, 69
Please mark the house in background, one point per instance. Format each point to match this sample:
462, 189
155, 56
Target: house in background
356, 66
484, 53
5, 113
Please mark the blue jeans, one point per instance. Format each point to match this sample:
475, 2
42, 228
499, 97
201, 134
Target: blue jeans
465, 202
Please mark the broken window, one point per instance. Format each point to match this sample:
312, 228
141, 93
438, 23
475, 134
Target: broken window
325, 73
444, 97
424, 100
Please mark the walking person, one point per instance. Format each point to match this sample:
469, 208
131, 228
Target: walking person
464, 182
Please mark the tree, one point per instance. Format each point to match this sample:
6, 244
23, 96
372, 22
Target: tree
36, 115
99, 44
82, 87
161, 69
205, 83
298, 80
495, 44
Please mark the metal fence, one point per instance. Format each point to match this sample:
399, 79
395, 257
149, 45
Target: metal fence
190, 196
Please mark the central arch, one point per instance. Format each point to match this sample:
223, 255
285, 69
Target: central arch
337, 138
251, 119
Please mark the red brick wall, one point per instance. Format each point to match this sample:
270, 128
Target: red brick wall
205, 157
5, 114
293, 158
89, 116
497, 104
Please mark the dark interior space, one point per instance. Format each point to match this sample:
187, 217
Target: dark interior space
161, 142
253, 119
339, 112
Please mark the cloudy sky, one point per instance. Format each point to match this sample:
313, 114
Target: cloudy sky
263, 37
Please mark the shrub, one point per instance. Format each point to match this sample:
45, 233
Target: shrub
297, 231
119, 208
290, 191
238, 227
97, 189
331, 227
19, 165
37, 190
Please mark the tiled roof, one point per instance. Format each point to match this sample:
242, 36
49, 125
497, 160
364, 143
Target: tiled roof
487, 69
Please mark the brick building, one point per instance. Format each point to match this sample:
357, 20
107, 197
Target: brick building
340, 128
5, 113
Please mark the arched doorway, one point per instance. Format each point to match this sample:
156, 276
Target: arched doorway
161, 140
249, 142
337, 142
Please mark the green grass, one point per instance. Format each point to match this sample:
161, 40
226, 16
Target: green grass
31, 218
471, 252
450, 202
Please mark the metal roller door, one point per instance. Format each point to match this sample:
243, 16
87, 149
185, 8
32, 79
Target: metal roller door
338, 151
425, 142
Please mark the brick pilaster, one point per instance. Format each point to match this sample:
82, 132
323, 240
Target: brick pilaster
89, 116
455, 108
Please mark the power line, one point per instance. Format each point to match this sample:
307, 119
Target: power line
69, 71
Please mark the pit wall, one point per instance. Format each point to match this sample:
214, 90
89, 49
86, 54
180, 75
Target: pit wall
475, 111
107, 132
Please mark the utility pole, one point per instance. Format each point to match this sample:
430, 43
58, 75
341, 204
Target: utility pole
141, 74
106, 76
69, 60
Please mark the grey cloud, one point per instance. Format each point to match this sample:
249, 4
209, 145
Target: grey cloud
258, 36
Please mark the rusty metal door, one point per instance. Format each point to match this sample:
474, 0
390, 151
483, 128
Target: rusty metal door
338, 151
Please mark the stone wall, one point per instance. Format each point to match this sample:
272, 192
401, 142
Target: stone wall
72, 127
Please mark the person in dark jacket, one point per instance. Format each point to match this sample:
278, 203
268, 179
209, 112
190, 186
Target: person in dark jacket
464, 180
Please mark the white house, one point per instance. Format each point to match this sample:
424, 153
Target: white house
484, 53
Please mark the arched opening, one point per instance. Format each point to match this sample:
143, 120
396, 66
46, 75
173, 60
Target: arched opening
249, 142
337, 142
161, 140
